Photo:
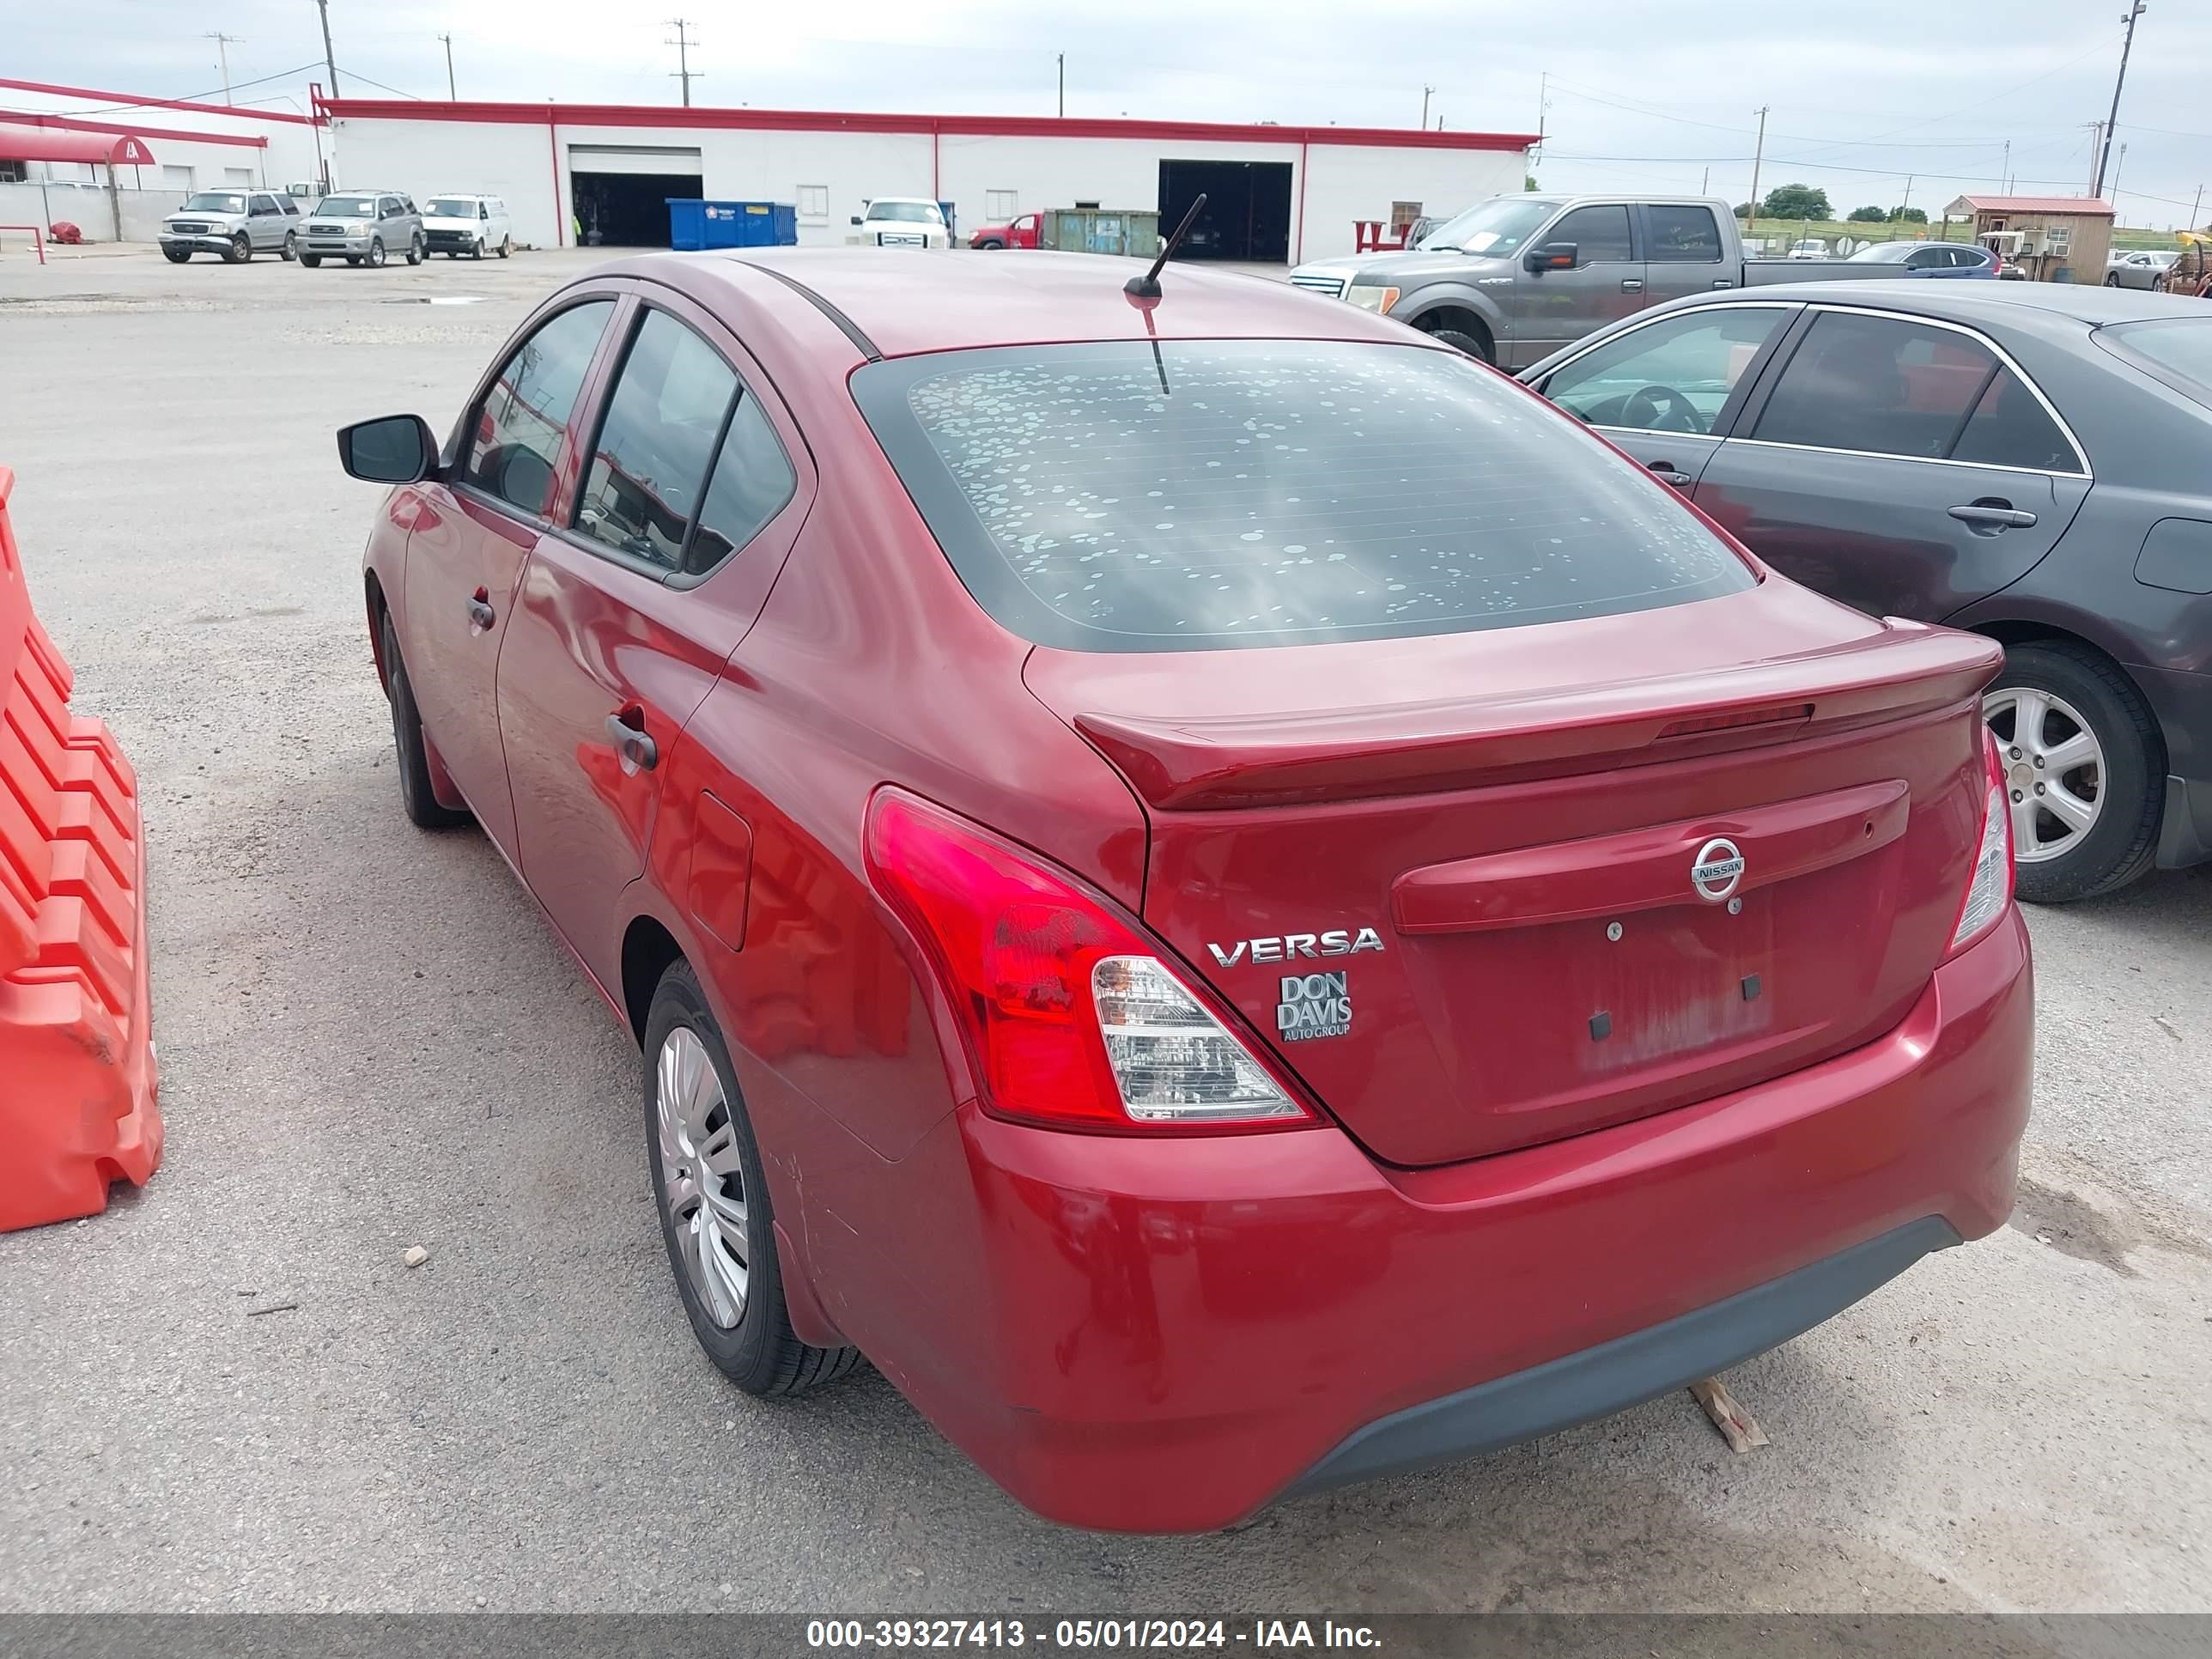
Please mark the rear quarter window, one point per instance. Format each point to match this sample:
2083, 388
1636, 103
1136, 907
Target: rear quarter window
1210, 494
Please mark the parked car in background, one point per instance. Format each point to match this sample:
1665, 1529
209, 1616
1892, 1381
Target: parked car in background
901, 221
1514, 278
2141, 269
236, 224
2024, 462
1810, 248
363, 227
1227, 965
1936, 259
1021, 231
474, 225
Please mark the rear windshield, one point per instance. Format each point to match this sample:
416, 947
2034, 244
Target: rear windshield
2179, 352
1120, 497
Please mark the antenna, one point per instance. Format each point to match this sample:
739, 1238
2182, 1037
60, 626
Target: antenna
1147, 287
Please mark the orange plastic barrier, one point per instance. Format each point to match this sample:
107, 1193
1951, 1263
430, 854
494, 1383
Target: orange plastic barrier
77, 1079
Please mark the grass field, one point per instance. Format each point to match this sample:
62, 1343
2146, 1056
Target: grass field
1786, 231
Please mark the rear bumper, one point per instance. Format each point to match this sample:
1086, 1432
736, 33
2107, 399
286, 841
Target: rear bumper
1165, 1335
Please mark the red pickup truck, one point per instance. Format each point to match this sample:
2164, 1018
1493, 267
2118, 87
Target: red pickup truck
1021, 232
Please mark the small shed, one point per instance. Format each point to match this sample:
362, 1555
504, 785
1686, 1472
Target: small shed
108, 149
2055, 238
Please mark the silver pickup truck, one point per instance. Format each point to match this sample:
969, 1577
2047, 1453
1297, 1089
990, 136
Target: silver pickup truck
1515, 277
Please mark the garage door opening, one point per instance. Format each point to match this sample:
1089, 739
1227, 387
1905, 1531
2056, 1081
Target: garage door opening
1247, 208
619, 196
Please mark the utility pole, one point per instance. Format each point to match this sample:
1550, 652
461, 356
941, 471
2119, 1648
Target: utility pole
1426, 91
2118, 161
2096, 154
222, 44
1705, 184
1060, 58
2193, 206
1758, 154
2006, 170
683, 43
452, 97
1907, 202
2113, 121
329, 62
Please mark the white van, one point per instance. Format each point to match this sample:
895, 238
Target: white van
474, 225
901, 221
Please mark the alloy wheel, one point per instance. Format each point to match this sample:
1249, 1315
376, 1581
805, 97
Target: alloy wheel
702, 1178
2054, 770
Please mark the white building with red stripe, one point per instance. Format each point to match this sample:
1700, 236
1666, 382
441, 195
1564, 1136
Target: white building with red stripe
1276, 193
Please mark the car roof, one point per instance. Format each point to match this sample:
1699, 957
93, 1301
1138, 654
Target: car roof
918, 300
2092, 305
923, 201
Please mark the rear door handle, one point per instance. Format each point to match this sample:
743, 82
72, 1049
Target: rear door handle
481, 614
636, 750
1991, 517
1631, 285
1667, 472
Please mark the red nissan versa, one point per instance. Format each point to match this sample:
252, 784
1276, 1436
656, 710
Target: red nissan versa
1237, 901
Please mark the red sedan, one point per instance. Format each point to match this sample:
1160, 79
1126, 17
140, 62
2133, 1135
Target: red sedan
1235, 899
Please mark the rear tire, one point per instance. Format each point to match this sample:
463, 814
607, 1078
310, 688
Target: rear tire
2120, 840
1475, 347
746, 1332
415, 795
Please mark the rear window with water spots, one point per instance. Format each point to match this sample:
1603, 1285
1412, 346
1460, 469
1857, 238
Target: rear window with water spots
1218, 493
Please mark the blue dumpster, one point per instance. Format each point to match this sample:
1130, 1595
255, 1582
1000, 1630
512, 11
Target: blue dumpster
694, 225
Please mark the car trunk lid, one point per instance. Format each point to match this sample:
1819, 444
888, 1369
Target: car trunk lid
1482, 890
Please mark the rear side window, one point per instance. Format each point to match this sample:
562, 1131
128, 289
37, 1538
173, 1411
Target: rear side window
1210, 494
2178, 352
649, 462
2010, 427
1682, 235
1878, 384
514, 435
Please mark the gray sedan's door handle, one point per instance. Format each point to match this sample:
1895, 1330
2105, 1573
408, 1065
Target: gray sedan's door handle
1667, 472
1993, 516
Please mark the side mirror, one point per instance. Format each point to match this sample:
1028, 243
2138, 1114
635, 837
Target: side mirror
1553, 256
394, 449
856, 218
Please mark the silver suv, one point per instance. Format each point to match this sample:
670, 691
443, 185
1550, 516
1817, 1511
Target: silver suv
235, 223
363, 227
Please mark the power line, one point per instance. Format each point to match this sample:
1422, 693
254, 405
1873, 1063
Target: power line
395, 91
188, 98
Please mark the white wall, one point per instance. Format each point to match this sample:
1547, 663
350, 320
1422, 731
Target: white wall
1346, 182
88, 208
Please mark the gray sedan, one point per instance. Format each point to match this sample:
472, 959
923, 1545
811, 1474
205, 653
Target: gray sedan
2023, 460
2139, 270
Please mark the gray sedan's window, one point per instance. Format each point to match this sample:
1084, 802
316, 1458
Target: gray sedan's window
1883, 385
2180, 352
1671, 376
2009, 427
1111, 497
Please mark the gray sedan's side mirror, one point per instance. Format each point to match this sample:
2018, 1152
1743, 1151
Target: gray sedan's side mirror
393, 449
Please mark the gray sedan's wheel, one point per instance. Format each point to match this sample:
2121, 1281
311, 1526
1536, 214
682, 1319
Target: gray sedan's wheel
2082, 776
715, 1217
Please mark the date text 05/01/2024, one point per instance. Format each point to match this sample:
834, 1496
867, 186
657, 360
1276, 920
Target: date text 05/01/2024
1260, 1635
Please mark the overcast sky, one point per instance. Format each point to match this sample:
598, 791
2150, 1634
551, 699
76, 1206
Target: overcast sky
1641, 96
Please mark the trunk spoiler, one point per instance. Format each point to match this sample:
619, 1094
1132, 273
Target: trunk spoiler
1200, 764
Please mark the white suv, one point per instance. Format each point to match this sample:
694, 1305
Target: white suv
901, 221
474, 225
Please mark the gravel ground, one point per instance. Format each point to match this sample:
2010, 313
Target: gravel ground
370, 1040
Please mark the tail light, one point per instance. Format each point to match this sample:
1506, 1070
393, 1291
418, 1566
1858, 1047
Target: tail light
1071, 1018
1989, 888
